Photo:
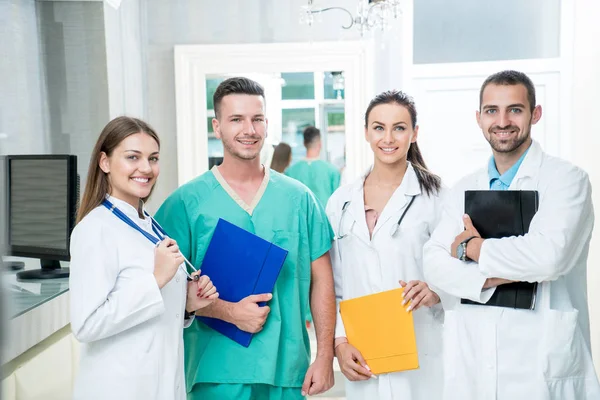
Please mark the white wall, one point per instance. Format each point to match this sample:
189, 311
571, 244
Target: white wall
586, 102
74, 78
125, 59
21, 105
242, 21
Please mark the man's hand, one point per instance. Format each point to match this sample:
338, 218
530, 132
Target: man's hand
353, 365
248, 316
418, 294
319, 377
475, 243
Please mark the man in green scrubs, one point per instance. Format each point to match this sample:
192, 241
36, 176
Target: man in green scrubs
278, 209
320, 176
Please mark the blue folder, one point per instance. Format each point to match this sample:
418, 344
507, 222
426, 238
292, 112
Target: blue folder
239, 263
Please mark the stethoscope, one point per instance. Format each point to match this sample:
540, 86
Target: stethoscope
158, 230
394, 229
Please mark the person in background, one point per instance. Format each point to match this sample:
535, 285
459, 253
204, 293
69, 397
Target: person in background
321, 177
282, 157
383, 220
130, 300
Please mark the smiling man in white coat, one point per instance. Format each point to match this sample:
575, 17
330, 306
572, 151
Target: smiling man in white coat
506, 353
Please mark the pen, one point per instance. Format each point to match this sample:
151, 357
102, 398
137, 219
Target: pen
194, 278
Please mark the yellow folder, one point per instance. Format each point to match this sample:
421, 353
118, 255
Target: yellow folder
381, 329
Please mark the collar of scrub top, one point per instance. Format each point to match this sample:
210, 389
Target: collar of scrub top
158, 230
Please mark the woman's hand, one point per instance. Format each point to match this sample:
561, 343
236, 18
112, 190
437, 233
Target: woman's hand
167, 259
417, 294
353, 365
200, 293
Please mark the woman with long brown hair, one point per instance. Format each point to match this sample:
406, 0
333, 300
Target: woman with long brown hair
282, 157
130, 296
382, 222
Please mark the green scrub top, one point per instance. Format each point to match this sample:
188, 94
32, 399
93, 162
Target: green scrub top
320, 176
286, 214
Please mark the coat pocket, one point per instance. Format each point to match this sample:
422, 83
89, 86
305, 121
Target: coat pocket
450, 339
561, 345
429, 339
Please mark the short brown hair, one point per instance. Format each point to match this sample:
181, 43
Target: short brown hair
237, 85
511, 78
311, 134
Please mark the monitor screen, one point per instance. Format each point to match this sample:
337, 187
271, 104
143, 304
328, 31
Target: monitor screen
42, 197
39, 203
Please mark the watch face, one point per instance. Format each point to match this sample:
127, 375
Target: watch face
460, 251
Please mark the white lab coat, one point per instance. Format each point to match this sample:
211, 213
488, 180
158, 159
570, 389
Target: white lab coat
505, 354
365, 266
131, 331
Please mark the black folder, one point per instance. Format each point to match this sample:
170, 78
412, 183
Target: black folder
503, 213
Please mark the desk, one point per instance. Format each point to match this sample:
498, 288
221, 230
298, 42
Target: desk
36, 309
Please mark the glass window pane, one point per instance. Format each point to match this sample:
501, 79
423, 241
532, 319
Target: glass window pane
293, 123
333, 85
447, 31
211, 86
209, 125
298, 86
215, 147
335, 121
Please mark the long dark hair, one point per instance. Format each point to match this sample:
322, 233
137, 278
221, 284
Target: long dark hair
282, 155
97, 185
429, 182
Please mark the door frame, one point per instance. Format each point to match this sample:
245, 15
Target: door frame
193, 63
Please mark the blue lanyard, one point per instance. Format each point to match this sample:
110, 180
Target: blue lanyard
160, 232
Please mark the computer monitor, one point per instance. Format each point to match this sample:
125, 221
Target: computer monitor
42, 199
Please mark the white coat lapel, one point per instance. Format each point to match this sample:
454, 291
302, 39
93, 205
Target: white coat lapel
530, 168
482, 180
400, 199
356, 212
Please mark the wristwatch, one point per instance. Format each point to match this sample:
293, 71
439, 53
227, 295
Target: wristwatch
461, 250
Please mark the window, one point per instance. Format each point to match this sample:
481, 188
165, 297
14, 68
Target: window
298, 85
304, 99
448, 31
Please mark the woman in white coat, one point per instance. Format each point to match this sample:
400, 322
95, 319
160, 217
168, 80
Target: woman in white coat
381, 223
129, 297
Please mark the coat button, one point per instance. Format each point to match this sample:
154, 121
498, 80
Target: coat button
177, 316
177, 279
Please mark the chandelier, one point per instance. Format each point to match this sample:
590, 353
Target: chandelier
370, 14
